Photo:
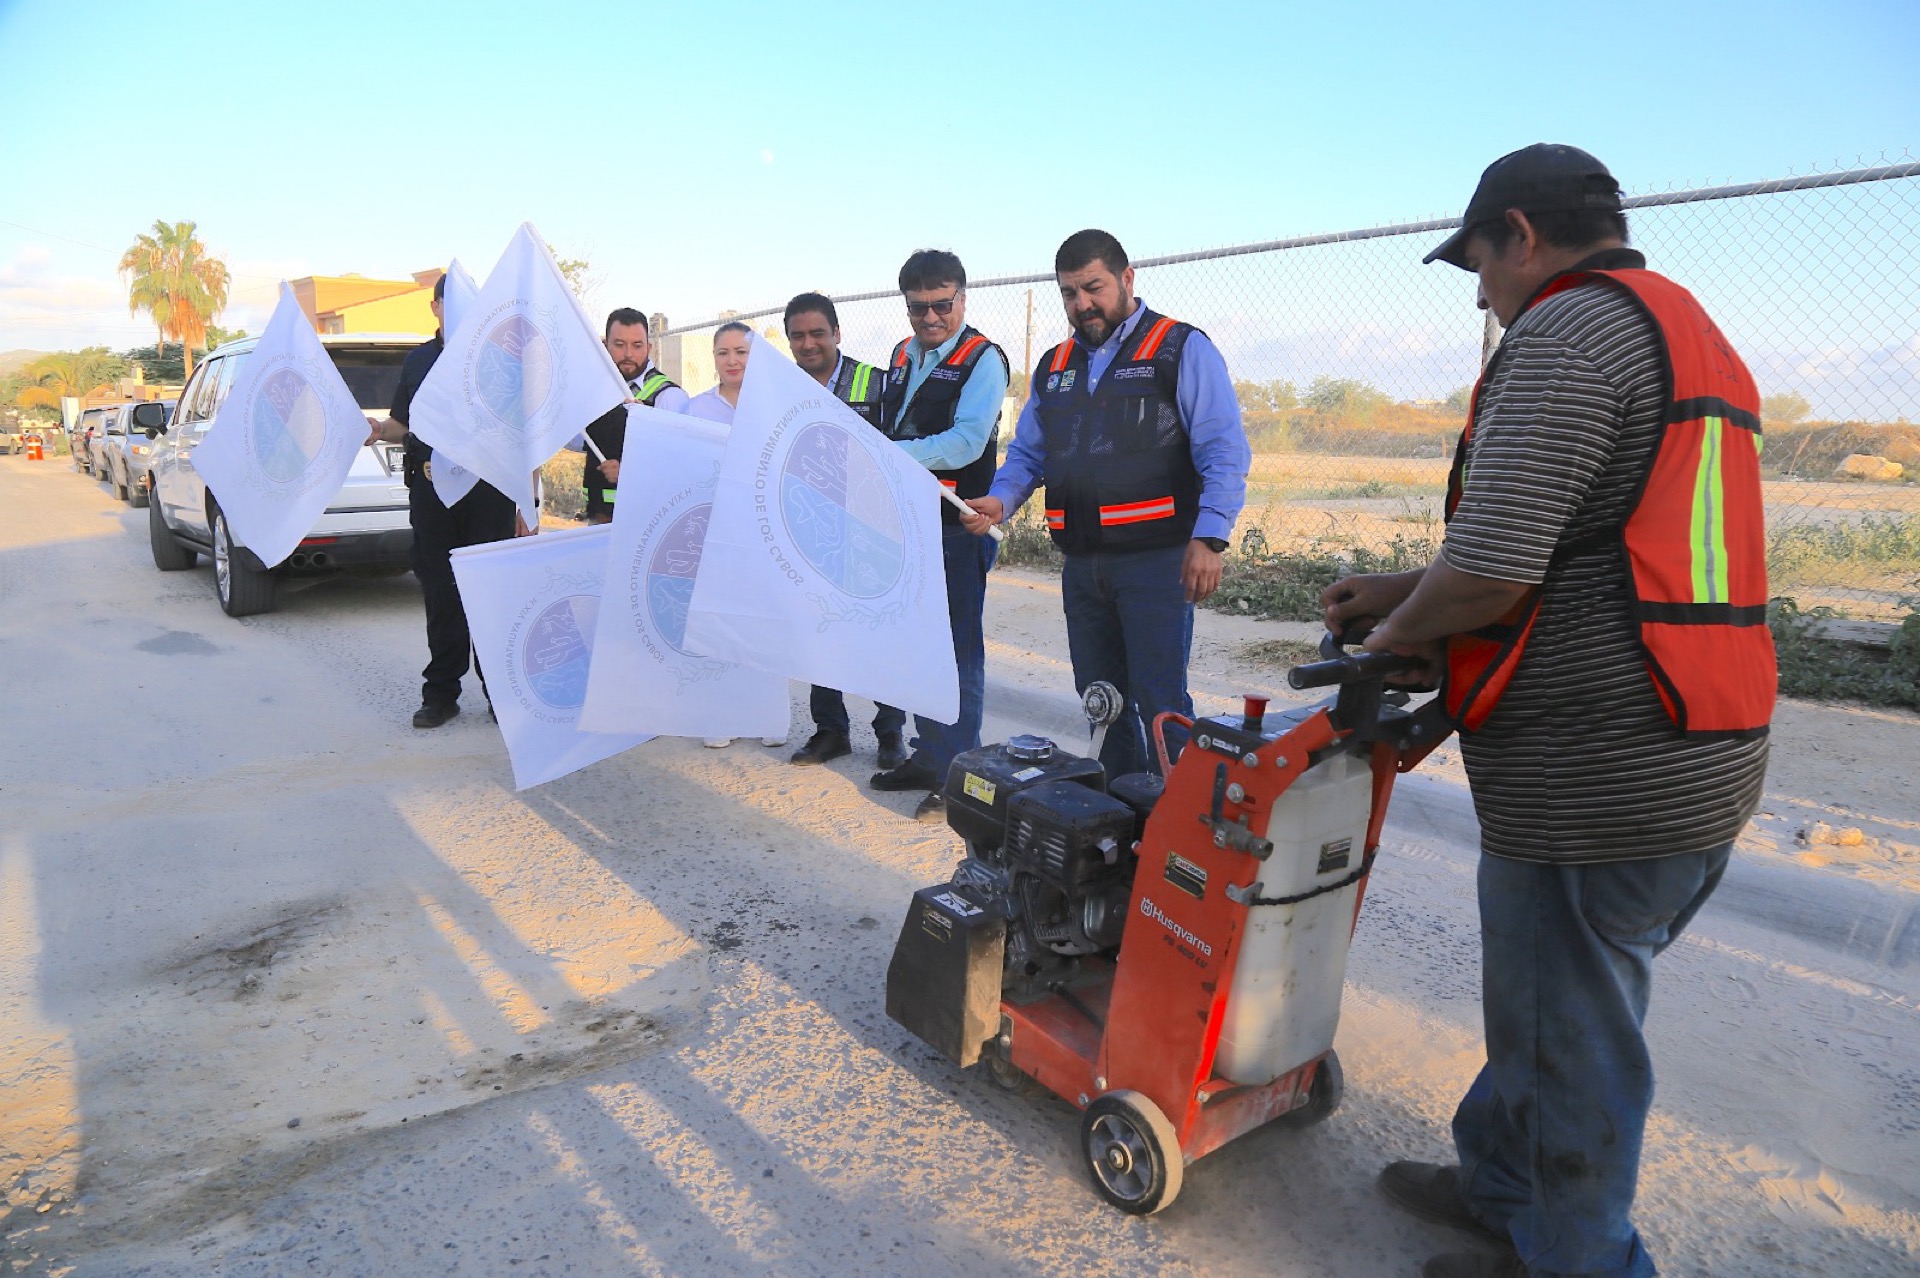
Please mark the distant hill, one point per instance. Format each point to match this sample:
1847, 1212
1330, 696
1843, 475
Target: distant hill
13, 361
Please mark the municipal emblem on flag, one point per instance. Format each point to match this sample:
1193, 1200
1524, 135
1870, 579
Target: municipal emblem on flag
670, 574
289, 425
841, 513
558, 649
516, 367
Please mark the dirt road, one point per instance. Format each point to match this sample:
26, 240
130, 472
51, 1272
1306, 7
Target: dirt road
290, 987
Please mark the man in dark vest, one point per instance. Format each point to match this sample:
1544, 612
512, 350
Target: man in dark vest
484, 514
1133, 426
1606, 519
628, 342
813, 334
945, 387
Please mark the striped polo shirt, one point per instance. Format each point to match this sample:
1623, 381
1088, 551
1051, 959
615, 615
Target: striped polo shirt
1578, 761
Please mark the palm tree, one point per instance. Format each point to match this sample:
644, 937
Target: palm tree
171, 277
67, 373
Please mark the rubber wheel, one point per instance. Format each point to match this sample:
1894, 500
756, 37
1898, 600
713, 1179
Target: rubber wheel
168, 554
120, 487
1323, 1095
1132, 1153
136, 495
243, 592
1005, 1075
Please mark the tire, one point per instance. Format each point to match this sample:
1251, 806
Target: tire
168, 554
1323, 1095
1132, 1152
121, 489
242, 591
137, 494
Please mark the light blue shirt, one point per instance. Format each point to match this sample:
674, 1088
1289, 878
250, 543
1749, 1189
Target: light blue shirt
1208, 409
981, 396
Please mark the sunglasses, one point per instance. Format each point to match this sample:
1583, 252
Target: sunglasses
942, 307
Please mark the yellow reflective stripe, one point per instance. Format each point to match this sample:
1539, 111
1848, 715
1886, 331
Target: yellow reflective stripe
861, 374
653, 385
1709, 517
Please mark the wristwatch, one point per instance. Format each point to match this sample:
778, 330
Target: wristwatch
1218, 545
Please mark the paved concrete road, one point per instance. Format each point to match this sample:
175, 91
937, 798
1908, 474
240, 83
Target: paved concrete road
289, 987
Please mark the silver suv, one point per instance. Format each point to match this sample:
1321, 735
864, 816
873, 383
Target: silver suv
364, 527
122, 451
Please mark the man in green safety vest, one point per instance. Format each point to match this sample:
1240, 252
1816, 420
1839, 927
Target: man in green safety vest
628, 342
813, 333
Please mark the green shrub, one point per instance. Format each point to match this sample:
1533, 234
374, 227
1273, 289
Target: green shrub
1813, 666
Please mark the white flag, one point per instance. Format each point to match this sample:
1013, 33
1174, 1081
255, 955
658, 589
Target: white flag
531, 606
525, 373
823, 560
451, 480
644, 677
284, 439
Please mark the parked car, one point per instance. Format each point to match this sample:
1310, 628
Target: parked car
363, 529
124, 452
91, 424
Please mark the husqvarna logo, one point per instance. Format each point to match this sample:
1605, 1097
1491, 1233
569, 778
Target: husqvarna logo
1152, 911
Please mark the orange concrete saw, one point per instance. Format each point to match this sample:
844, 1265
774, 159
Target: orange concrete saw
1168, 957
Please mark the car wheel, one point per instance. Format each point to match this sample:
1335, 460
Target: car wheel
121, 488
243, 591
168, 554
138, 493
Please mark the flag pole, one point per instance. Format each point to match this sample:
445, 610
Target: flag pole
953, 499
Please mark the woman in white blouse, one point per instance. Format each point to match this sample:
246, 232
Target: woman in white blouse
731, 342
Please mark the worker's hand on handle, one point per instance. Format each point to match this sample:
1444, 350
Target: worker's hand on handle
385, 431
1431, 654
1362, 601
611, 469
1200, 571
987, 511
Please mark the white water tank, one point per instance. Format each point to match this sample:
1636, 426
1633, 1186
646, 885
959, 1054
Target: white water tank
1284, 1004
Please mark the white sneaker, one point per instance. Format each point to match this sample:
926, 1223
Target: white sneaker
717, 743
773, 741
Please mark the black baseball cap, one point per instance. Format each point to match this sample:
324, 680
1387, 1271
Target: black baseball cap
1546, 177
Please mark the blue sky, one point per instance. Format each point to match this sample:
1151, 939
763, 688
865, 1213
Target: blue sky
709, 156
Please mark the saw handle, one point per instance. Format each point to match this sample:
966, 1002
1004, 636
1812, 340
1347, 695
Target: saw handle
1340, 666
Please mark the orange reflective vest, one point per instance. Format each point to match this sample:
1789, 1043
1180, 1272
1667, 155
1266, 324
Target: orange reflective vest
1693, 546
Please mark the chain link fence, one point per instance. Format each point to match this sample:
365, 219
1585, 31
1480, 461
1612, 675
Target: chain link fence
1353, 364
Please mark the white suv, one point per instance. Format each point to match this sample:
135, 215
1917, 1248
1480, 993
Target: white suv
364, 527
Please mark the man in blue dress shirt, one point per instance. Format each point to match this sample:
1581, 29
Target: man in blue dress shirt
944, 389
1132, 425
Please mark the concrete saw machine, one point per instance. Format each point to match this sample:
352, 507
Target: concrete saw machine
1168, 956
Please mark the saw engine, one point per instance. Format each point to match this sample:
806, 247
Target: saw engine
1049, 851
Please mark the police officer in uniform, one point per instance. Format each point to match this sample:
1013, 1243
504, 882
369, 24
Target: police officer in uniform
1133, 426
484, 514
628, 342
813, 334
945, 387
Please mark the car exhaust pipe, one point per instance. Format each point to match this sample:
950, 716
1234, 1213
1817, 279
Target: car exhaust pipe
318, 559
297, 561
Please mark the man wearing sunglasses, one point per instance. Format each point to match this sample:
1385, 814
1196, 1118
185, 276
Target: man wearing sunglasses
942, 401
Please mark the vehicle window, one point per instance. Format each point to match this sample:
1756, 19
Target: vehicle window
371, 373
229, 365
114, 418
191, 398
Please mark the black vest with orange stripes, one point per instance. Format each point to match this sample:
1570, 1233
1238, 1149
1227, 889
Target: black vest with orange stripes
1119, 467
934, 406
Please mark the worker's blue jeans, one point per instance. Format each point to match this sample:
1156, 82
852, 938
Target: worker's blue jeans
968, 560
1549, 1133
1129, 623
